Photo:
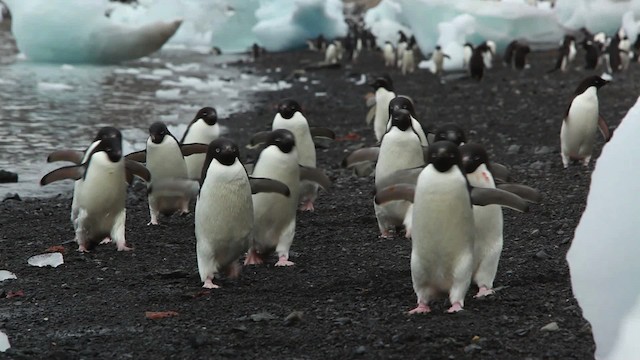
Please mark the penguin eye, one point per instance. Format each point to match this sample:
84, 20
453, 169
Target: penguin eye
218, 150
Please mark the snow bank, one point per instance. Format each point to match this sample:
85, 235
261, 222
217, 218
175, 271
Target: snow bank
385, 20
595, 15
603, 258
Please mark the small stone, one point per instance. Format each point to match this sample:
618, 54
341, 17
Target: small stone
293, 318
342, 321
542, 255
262, 316
535, 232
8, 177
552, 326
537, 165
513, 149
471, 348
542, 150
360, 350
14, 197
522, 332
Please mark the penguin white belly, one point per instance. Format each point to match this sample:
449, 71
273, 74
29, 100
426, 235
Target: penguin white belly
408, 62
417, 127
578, 130
466, 56
401, 51
199, 133
275, 214
223, 219
389, 56
572, 52
330, 55
101, 200
383, 98
77, 185
438, 61
487, 58
165, 163
442, 235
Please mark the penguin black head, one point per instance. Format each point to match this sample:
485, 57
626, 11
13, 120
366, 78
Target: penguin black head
157, 131
107, 132
594, 80
401, 119
443, 155
111, 144
224, 151
450, 132
283, 139
403, 37
288, 107
382, 82
473, 155
402, 102
438, 47
208, 114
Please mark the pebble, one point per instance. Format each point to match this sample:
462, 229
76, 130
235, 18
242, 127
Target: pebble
262, 316
471, 348
293, 318
542, 255
537, 165
360, 350
550, 327
513, 149
542, 150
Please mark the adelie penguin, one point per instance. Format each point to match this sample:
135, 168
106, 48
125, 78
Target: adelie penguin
520, 56
224, 211
438, 57
566, 54
379, 112
443, 230
507, 57
582, 118
290, 117
408, 65
389, 54
170, 190
203, 129
476, 63
592, 54
275, 214
100, 199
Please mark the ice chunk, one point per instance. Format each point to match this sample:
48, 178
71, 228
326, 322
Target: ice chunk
385, 20
627, 345
50, 259
7, 275
4, 342
168, 94
595, 15
607, 235
233, 32
46, 86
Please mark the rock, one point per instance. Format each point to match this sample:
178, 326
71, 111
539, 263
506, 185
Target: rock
471, 348
8, 177
293, 318
542, 150
513, 149
262, 316
550, 327
522, 332
537, 165
360, 350
542, 255
342, 321
10, 196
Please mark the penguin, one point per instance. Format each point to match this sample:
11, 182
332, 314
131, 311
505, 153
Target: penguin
450, 132
580, 122
624, 47
170, 190
520, 56
331, 54
487, 54
443, 233
101, 197
592, 55
357, 49
383, 87
408, 57
467, 51
403, 102
403, 42
507, 57
203, 129
339, 49
438, 60
400, 148
388, 54
612, 55
274, 214
476, 63
224, 211
566, 54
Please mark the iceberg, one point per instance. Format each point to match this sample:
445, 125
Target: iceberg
595, 15
603, 258
385, 20
80, 32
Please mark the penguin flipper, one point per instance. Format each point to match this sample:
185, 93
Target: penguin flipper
137, 169
488, 196
315, 175
500, 172
361, 155
604, 129
73, 156
406, 176
259, 185
395, 192
526, 192
195, 148
258, 138
138, 156
371, 114
249, 168
74, 172
322, 133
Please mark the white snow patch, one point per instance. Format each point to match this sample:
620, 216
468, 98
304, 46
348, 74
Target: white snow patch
7, 275
48, 86
50, 259
4, 342
168, 94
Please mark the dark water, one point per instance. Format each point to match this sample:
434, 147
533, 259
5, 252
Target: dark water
51, 106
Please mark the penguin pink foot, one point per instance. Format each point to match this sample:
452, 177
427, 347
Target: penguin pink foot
484, 291
385, 234
208, 284
82, 249
284, 261
420, 309
307, 205
106, 240
124, 247
253, 258
455, 308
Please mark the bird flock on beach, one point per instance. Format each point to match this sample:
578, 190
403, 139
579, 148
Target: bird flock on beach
442, 192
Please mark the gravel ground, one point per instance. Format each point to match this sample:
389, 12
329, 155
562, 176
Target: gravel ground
348, 293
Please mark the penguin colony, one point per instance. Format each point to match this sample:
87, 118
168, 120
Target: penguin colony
443, 192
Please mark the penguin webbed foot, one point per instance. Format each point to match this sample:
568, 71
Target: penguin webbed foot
124, 247
307, 205
253, 258
283, 260
208, 284
483, 292
420, 309
456, 307
106, 240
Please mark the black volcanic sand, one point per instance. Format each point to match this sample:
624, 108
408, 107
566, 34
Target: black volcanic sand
352, 288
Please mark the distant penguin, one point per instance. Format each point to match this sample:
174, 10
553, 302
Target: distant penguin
624, 47
101, 197
443, 233
520, 56
467, 51
388, 54
577, 134
203, 129
566, 54
449, 132
224, 211
408, 57
357, 49
403, 42
488, 53
383, 94
507, 57
331, 54
476, 63
400, 149
438, 60
339, 49
592, 55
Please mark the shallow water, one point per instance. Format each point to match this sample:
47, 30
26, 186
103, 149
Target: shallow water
44, 107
